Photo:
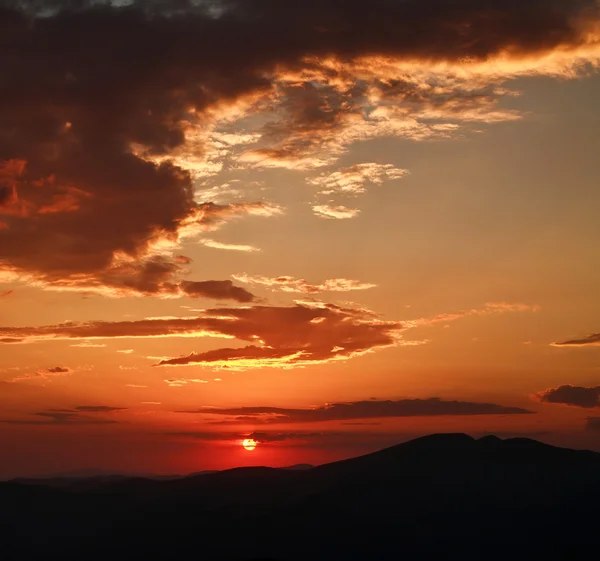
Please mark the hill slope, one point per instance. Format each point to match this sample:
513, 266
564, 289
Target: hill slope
442, 496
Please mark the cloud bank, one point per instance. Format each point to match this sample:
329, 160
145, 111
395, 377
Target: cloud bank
307, 333
368, 409
102, 140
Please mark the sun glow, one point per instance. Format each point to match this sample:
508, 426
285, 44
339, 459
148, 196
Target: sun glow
249, 444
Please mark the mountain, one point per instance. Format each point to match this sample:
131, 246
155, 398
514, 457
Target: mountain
438, 497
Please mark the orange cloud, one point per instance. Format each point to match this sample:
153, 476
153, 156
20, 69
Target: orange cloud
488, 309
291, 284
353, 179
335, 212
230, 247
283, 337
179, 382
43, 375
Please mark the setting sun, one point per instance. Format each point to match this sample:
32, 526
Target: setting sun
249, 444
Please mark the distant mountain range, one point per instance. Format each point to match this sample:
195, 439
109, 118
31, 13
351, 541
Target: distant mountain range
79, 476
449, 497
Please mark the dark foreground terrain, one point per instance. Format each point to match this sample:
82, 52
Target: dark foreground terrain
435, 498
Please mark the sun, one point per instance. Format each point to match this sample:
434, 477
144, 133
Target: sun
249, 444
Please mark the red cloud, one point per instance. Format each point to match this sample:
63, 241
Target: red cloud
280, 336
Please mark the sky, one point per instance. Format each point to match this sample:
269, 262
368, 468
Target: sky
324, 226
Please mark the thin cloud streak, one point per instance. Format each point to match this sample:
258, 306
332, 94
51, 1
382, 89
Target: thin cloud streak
335, 212
294, 285
368, 409
592, 340
228, 246
80, 415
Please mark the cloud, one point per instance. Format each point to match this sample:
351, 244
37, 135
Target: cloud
179, 382
490, 308
98, 408
592, 340
58, 370
271, 437
593, 424
134, 258
353, 179
335, 212
218, 290
310, 332
6, 293
368, 409
572, 395
294, 285
43, 375
228, 246
79, 415
96, 175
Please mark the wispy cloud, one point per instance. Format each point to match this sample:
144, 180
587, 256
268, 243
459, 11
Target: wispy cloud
352, 180
80, 415
294, 285
42, 375
592, 340
228, 246
179, 382
339, 212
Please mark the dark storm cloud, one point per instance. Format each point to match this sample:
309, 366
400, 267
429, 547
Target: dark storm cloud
572, 395
94, 97
371, 409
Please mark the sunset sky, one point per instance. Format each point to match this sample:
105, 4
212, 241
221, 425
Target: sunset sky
328, 226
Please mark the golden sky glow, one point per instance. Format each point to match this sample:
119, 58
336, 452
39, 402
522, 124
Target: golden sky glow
321, 241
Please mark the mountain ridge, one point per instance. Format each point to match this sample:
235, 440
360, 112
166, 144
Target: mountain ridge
449, 496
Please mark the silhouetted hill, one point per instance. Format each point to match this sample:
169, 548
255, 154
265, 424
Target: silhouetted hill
437, 497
